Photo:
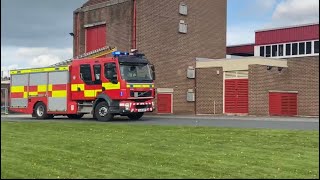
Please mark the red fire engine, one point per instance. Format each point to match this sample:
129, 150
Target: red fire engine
104, 87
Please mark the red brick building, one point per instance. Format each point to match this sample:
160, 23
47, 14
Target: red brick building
172, 33
281, 77
186, 41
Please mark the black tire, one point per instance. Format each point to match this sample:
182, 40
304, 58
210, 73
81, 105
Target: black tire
40, 111
75, 116
135, 116
50, 116
101, 112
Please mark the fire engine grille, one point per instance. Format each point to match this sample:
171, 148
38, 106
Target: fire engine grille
141, 94
141, 106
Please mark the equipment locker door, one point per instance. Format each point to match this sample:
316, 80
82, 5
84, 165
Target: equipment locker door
236, 96
57, 91
283, 104
164, 103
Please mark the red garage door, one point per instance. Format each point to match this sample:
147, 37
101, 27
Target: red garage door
95, 37
236, 96
164, 103
283, 104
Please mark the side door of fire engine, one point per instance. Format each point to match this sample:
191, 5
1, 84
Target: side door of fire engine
110, 80
86, 83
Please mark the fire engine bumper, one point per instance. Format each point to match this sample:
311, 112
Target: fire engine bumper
127, 107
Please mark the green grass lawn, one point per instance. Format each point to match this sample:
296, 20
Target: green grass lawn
106, 150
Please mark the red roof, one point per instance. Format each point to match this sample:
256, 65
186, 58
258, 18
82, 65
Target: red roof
287, 34
245, 49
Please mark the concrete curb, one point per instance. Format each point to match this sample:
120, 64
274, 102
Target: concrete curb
202, 117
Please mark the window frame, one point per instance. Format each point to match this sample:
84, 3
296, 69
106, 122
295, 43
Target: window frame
268, 48
263, 51
295, 51
274, 53
308, 42
314, 47
281, 53
288, 49
81, 74
302, 49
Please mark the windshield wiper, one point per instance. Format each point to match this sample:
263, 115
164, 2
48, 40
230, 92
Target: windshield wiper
142, 94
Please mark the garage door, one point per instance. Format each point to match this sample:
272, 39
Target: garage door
283, 104
236, 96
164, 103
95, 37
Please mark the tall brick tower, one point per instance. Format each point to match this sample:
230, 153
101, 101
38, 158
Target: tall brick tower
172, 33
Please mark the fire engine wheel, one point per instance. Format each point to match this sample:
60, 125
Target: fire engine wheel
41, 111
101, 112
135, 116
75, 116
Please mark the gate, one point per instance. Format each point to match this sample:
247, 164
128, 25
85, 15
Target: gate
4, 101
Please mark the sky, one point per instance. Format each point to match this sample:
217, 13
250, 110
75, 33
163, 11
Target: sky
35, 33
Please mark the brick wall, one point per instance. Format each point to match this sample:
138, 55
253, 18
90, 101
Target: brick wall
209, 91
302, 75
158, 37
118, 20
172, 52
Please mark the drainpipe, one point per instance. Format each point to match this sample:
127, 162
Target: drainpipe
78, 34
134, 26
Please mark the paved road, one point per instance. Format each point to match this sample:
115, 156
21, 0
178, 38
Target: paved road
295, 123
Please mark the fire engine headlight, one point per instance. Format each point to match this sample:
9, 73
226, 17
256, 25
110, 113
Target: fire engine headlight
127, 106
152, 104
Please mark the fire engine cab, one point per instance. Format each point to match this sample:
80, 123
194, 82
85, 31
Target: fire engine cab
104, 87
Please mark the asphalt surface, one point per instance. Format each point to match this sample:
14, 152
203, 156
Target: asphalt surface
294, 123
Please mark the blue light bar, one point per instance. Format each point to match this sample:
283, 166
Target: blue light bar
118, 53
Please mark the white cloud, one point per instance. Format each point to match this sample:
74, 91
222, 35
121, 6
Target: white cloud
257, 8
244, 34
25, 57
292, 12
45, 60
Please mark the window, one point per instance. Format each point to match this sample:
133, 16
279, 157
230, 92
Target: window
316, 47
281, 50
274, 50
85, 73
288, 49
183, 9
301, 48
262, 51
308, 48
97, 72
295, 49
110, 71
268, 51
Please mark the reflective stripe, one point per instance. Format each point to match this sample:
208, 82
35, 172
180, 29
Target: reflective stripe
81, 86
50, 87
17, 89
37, 70
140, 85
62, 93
25, 95
89, 93
111, 86
33, 93
42, 88
74, 87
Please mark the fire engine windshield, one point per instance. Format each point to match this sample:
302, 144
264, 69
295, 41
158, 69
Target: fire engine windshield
136, 72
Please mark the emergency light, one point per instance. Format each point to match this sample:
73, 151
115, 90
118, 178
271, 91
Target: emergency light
119, 53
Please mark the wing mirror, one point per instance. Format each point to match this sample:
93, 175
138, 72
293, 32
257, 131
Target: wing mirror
153, 72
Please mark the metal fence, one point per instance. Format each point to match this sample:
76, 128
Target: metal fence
4, 101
